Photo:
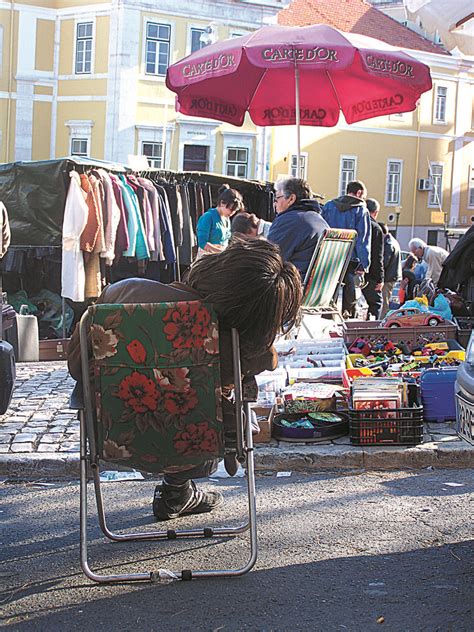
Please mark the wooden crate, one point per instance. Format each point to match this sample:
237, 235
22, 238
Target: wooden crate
265, 417
53, 349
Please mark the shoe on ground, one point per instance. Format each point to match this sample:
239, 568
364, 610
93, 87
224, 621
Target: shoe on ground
172, 501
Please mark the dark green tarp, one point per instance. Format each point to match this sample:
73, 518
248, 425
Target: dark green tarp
34, 194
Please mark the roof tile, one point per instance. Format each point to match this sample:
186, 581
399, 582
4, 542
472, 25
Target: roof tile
356, 16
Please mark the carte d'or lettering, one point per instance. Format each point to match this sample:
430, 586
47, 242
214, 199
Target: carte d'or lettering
214, 63
283, 53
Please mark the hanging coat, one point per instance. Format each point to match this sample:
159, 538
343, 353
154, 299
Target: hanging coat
76, 213
4, 230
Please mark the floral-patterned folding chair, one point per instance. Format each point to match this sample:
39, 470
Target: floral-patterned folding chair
157, 405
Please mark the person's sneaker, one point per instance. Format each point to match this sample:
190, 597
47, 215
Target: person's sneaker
172, 501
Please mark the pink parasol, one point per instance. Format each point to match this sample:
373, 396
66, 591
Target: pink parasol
297, 76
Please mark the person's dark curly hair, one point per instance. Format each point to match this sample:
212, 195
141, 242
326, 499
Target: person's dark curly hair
251, 289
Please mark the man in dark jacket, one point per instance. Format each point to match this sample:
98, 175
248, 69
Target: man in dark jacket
392, 267
350, 211
298, 225
372, 290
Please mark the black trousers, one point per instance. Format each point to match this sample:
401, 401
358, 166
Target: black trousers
349, 294
373, 298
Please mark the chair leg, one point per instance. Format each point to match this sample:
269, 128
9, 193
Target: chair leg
83, 521
252, 511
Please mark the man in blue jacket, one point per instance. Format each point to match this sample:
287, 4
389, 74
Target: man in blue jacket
350, 211
298, 225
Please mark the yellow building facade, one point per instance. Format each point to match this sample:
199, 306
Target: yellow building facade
87, 78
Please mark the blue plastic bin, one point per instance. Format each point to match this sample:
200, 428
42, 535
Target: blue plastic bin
438, 394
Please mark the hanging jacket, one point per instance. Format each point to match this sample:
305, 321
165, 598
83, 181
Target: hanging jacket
5, 235
138, 247
76, 213
91, 231
112, 217
122, 241
351, 212
297, 231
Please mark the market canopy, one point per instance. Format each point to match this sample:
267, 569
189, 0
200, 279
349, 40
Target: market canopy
453, 20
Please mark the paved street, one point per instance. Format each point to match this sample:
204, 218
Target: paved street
39, 437
338, 552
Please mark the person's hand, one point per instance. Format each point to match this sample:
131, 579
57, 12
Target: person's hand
378, 287
360, 272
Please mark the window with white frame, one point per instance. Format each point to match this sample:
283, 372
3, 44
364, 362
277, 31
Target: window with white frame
440, 104
154, 154
436, 194
470, 188
237, 162
197, 39
303, 166
347, 172
84, 35
79, 146
394, 182
157, 48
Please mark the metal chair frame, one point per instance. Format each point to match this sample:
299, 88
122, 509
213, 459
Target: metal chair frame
89, 456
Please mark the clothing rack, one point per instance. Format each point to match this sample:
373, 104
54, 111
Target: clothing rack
36, 193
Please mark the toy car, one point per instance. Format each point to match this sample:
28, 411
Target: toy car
411, 317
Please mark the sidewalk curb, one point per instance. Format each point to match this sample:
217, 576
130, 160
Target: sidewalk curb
293, 458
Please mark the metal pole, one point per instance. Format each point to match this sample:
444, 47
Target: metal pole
297, 121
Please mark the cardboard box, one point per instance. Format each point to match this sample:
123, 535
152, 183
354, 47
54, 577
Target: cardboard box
53, 349
265, 418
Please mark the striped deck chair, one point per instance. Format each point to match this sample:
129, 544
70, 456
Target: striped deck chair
326, 272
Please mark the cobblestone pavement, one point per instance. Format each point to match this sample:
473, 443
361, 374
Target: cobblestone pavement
39, 436
39, 420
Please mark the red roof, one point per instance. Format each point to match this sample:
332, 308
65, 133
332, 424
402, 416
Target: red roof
356, 16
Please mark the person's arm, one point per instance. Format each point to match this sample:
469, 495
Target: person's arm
364, 233
283, 233
203, 230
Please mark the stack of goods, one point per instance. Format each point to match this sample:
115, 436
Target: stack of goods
309, 413
387, 358
309, 359
385, 410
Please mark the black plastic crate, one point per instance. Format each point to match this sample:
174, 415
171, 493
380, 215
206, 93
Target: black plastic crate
466, 325
388, 426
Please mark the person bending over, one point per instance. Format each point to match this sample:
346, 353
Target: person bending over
298, 225
434, 256
213, 227
253, 290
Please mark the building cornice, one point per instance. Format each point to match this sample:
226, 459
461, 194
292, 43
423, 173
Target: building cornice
448, 62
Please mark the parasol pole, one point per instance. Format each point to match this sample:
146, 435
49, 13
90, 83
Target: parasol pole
297, 120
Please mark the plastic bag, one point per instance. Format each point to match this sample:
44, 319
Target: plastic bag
442, 307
